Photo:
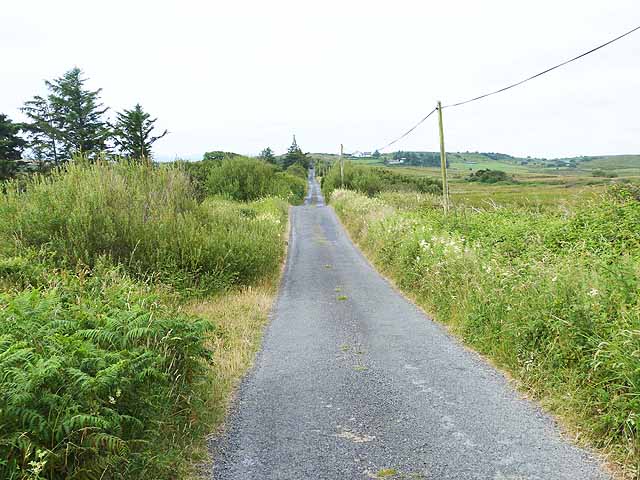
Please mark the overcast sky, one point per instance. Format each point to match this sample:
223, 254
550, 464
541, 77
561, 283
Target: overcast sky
240, 75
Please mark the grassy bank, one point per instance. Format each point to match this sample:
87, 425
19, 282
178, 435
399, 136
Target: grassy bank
551, 295
111, 350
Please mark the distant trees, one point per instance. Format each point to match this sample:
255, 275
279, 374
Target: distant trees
219, 155
267, 155
376, 154
419, 159
133, 131
11, 147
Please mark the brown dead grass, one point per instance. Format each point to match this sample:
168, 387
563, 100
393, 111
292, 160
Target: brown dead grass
240, 317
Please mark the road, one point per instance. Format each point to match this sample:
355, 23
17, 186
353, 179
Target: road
355, 382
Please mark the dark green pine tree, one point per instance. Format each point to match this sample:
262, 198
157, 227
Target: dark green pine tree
267, 155
133, 134
294, 155
11, 147
44, 137
78, 114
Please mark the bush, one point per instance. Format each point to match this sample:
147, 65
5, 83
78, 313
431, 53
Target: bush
148, 220
99, 379
245, 179
372, 180
550, 297
488, 176
297, 170
601, 173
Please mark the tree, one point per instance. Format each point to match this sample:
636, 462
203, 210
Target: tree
267, 155
69, 120
376, 154
295, 155
133, 133
11, 144
44, 138
11, 147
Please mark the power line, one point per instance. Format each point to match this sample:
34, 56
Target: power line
408, 131
545, 71
512, 85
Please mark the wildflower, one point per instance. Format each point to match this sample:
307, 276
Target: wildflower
112, 400
554, 279
593, 292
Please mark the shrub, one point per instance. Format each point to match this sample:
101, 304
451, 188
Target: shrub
99, 379
245, 179
602, 173
372, 180
148, 220
297, 170
488, 176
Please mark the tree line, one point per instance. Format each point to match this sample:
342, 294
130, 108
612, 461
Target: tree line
70, 119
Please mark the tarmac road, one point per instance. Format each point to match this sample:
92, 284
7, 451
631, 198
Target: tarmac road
354, 382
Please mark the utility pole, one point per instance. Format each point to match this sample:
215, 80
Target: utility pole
341, 166
443, 163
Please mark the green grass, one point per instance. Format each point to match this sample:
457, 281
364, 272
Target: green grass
549, 294
102, 373
462, 164
148, 221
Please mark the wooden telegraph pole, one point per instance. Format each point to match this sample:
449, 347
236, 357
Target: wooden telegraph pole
341, 166
443, 163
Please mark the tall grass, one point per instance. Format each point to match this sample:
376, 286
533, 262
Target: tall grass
554, 297
149, 221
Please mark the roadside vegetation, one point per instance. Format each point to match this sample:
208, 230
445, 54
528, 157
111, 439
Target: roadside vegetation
371, 181
247, 179
112, 341
551, 294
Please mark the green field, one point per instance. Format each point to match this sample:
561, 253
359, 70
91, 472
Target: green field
461, 164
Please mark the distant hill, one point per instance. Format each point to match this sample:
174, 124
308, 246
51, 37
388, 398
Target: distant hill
619, 165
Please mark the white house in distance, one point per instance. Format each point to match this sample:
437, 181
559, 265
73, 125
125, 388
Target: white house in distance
358, 154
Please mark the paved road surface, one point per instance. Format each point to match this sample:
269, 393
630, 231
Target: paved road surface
353, 379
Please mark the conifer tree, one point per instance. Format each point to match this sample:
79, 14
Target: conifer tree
69, 120
44, 138
11, 147
267, 155
133, 133
294, 155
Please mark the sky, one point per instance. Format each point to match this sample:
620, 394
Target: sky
241, 75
